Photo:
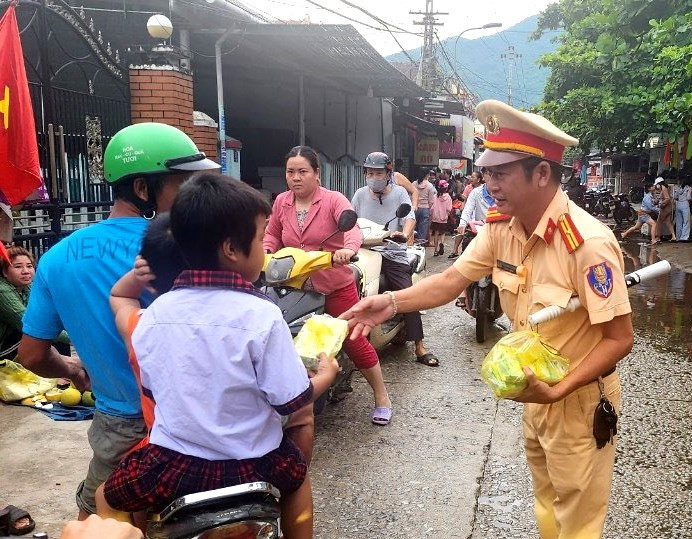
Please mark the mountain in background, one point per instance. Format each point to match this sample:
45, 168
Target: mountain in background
483, 70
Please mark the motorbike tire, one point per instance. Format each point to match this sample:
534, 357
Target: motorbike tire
636, 196
632, 215
617, 217
482, 313
321, 402
400, 337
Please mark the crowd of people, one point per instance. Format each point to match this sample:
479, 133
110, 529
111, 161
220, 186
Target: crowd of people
665, 209
150, 321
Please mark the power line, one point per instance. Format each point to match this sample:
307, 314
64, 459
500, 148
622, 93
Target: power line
523, 77
489, 85
378, 19
511, 58
470, 99
379, 29
387, 27
429, 65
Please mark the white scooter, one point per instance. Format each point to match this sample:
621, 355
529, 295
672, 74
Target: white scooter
370, 280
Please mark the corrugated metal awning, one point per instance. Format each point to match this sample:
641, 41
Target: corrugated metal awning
333, 54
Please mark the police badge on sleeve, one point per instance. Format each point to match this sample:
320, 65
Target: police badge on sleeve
600, 278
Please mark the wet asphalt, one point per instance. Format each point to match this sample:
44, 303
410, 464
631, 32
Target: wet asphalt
451, 463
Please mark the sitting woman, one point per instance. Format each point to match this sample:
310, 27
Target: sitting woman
303, 217
15, 285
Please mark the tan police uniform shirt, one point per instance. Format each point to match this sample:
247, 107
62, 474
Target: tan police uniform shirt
594, 271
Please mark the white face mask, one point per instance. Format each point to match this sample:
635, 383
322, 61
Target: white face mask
377, 186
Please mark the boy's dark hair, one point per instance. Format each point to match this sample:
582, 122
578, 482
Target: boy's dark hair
307, 152
162, 252
210, 209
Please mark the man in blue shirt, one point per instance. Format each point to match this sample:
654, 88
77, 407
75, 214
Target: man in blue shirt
647, 214
145, 164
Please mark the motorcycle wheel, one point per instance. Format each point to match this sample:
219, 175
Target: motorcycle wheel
400, 337
632, 215
321, 402
482, 313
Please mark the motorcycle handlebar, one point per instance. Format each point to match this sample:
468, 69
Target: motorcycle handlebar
398, 239
636, 277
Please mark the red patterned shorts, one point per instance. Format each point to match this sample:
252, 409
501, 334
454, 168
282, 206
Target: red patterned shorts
153, 476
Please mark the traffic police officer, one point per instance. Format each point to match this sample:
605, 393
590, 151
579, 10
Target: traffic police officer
542, 249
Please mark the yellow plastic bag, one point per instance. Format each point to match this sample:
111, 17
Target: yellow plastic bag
320, 333
17, 383
502, 367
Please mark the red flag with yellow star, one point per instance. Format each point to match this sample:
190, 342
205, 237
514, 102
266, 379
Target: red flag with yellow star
20, 172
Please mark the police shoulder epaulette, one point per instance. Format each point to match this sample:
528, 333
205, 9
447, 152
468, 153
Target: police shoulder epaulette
568, 231
493, 216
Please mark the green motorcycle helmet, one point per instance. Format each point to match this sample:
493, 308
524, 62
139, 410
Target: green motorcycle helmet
151, 148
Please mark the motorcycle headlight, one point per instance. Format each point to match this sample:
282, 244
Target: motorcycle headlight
247, 529
279, 270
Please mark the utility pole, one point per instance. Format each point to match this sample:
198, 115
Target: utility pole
428, 69
511, 58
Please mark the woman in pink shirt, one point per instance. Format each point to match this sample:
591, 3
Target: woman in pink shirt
302, 217
439, 217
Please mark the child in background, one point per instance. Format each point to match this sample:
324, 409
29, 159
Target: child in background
439, 216
207, 352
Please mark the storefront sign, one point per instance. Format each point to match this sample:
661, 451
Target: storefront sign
452, 164
462, 146
427, 151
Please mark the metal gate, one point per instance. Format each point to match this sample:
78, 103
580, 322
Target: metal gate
80, 97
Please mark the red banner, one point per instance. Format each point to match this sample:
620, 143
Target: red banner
20, 173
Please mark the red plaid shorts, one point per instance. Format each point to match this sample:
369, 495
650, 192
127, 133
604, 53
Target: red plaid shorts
153, 476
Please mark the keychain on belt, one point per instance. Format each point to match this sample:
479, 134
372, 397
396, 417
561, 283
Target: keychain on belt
605, 419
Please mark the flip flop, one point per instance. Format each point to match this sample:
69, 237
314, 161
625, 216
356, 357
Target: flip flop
9, 517
381, 415
453, 255
460, 302
428, 359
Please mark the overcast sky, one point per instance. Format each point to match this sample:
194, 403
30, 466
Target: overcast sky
463, 14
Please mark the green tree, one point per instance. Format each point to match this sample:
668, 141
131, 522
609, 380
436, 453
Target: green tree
623, 70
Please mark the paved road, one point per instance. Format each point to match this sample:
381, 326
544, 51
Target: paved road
450, 465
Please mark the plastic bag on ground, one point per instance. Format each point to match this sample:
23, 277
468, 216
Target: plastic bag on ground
320, 333
17, 383
502, 367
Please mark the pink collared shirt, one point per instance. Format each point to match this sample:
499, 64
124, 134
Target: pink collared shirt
320, 222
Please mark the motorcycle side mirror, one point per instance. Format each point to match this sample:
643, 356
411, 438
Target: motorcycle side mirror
347, 220
401, 212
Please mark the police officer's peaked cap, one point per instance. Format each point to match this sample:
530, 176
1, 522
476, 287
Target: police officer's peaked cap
512, 135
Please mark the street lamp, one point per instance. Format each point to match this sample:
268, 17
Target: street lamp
159, 27
489, 25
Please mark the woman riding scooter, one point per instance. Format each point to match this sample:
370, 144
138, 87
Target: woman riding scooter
302, 217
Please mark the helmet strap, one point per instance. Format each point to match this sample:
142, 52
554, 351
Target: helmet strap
146, 208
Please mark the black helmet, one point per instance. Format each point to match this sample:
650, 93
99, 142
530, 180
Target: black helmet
378, 160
